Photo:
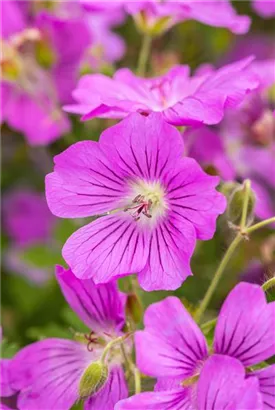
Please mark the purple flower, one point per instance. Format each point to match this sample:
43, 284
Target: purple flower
265, 8
174, 349
156, 203
154, 13
107, 47
48, 373
26, 217
182, 100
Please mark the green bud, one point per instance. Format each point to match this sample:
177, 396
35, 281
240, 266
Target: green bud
236, 204
134, 307
228, 187
93, 378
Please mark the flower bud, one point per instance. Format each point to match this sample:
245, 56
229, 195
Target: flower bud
93, 378
134, 307
236, 204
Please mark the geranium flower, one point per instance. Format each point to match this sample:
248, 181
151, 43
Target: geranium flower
154, 14
48, 373
156, 203
182, 100
173, 348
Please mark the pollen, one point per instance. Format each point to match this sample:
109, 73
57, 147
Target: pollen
147, 201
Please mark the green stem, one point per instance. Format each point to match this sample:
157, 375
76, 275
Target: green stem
247, 188
144, 54
134, 370
217, 277
205, 327
110, 345
260, 225
137, 380
268, 284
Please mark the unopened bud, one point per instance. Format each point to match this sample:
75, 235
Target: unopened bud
134, 307
236, 204
93, 378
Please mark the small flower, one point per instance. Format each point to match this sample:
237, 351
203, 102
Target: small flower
182, 99
52, 373
156, 203
173, 349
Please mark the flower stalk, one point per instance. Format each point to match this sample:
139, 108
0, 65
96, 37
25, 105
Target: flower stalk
111, 344
144, 54
269, 284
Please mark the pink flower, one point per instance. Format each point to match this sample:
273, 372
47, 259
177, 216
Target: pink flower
180, 98
156, 203
173, 348
26, 217
48, 373
151, 13
265, 8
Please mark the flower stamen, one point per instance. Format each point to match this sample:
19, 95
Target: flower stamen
140, 206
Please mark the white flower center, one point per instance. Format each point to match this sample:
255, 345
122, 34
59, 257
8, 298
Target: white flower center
147, 201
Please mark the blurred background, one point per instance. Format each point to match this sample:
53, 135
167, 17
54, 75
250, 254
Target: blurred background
57, 49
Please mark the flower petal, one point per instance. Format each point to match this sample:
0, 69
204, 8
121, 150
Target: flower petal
174, 399
84, 182
170, 248
114, 390
245, 327
221, 375
171, 344
6, 388
100, 307
48, 373
143, 146
266, 379
221, 89
192, 196
109, 247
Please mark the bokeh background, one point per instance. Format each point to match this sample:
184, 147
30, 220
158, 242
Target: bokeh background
32, 239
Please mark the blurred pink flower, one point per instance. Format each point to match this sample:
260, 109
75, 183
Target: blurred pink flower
217, 13
265, 8
26, 217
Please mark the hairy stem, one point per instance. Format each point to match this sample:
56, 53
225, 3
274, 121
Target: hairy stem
259, 225
210, 291
247, 187
269, 284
